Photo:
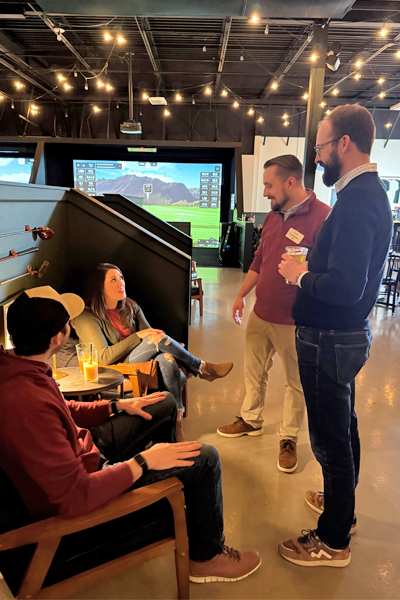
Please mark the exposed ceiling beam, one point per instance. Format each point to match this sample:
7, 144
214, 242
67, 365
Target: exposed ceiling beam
30, 79
292, 55
63, 39
223, 46
11, 49
145, 31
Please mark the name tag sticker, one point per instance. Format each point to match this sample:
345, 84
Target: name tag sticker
295, 236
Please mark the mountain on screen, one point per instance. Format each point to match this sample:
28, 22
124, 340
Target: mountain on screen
132, 185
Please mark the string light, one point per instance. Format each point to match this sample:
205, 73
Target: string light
236, 104
12, 104
1, 97
359, 63
322, 104
250, 111
286, 123
75, 74
381, 80
204, 48
178, 97
314, 57
382, 95
96, 109
285, 116
388, 125
86, 85
260, 119
255, 19
274, 85
109, 87
383, 31
305, 96
328, 112
357, 76
335, 92
19, 85
121, 39
67, 86
166, 113
107, 37
208, 91
100, 84
241, 56
60, 77
398, 53
145, 96
224, 93
193, 100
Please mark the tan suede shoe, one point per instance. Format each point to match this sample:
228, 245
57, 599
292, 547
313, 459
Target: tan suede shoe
239, 428
213, 371
230, 565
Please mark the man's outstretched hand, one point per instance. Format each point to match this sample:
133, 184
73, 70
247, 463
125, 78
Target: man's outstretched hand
135, 406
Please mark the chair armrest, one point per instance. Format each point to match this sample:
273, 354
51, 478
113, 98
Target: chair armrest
56, 527
123, 368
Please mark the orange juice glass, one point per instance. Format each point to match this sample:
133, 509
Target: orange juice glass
91, 366
83, 352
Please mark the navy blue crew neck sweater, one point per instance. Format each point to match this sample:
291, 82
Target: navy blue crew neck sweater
348, 259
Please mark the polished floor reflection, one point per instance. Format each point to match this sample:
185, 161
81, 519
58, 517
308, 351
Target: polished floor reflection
263, 505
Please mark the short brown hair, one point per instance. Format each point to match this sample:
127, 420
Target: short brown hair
356, 122
287, 166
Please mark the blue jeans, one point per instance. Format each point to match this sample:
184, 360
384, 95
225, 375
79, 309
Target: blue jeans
123, 436
168, 354
328, 363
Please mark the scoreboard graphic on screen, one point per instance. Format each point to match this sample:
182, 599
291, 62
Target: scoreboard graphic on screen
209, 188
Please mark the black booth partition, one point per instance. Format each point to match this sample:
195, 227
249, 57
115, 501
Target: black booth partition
87, 232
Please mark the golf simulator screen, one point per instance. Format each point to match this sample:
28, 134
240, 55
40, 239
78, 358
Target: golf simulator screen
171, 191
15, 169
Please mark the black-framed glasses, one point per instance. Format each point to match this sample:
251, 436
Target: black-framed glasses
319, 148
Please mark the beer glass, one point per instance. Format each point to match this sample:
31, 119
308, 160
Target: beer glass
299, 253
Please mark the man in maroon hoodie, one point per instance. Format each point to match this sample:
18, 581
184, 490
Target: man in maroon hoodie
295, 220
51, 459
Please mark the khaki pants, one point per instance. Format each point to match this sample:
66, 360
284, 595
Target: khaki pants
263, 340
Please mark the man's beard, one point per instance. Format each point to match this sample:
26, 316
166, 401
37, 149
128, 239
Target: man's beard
332, 170
279, 206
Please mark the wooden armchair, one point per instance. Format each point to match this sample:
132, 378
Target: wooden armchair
46, 536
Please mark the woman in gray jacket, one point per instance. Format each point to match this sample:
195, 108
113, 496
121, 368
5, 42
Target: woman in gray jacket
120, 332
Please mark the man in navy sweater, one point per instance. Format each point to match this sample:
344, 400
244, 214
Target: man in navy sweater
337, 289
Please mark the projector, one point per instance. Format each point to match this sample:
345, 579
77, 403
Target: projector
130, 127
158, 101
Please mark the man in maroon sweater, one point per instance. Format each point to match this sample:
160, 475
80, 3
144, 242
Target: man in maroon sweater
295, 220
56, 467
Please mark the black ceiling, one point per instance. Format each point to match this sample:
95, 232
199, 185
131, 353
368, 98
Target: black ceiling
186, 54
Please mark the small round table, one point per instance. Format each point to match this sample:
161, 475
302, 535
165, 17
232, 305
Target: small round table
75, 384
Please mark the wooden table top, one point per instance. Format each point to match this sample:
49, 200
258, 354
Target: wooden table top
76, 384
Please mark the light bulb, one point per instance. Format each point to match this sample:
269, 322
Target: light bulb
75, 74
66, 115
241, 57
34, 107
322, 104
96, 109
121, 39
178, 97
208, 91
60, 77
255, 19
305, 96
260, 119
357, 76
381, 80
388, 125
117, 106
236, 104
274, 85
398, 53
12, 104
285, 116
107, 37
67, 87
286, 123
382, 95
328, 112
251, 111
335, 92
383, 31
145, 96
19, 85
359, 63
204, 48
59, 37
100, 84
193, 100
224, 93
86, 86
166, 113
109, 87
314, 57
1, 97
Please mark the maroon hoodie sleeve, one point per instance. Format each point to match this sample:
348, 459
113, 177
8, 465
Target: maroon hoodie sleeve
88, 414
52, 463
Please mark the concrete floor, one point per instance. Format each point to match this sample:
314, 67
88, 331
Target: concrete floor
264, 506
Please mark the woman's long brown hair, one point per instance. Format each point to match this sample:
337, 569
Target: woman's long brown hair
96, 302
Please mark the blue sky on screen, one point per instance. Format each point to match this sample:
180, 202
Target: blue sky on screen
12, 170
187, 173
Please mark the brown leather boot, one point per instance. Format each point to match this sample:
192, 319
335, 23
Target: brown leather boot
213, 371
